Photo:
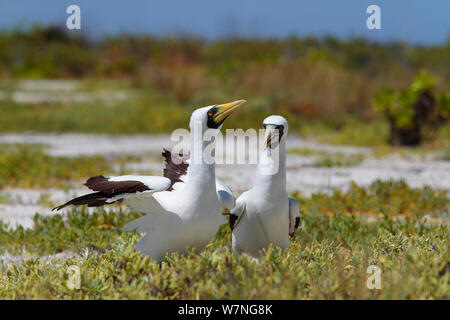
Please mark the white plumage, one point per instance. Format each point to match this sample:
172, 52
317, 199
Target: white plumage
264, 214
183, 209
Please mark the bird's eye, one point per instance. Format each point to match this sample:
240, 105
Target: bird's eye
281, 128
210, 113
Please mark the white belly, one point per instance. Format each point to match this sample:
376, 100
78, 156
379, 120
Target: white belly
181, 227
262, 224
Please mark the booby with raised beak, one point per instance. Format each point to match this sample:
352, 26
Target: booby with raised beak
183, 208
265, 214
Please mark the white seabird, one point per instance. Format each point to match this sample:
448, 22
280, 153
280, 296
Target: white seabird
183, 207
264, 214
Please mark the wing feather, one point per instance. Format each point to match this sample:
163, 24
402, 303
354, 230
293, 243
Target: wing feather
294, 216
238, 211
112, 189
174, 170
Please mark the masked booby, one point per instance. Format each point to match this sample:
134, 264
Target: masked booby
265, 214
183, 208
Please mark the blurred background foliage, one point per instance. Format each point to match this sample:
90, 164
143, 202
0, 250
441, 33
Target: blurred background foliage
325, 81
414, 111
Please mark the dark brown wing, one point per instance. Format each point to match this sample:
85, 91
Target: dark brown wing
297, 222
232, 220
106, 190
114, 188
172, 170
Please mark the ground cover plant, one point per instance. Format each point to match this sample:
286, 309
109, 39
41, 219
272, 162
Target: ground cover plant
328, 258
149, 85
29, 166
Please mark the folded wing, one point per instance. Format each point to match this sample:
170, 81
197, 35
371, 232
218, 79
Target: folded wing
238, 211
294, 216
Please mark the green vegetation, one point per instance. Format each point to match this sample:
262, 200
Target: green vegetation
4, 198
328, 260
28, 166
414, 111
446, 155
152, 114
324, 86
380, 199
340, 160
125, 118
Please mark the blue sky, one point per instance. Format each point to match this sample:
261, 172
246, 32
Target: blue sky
415, 21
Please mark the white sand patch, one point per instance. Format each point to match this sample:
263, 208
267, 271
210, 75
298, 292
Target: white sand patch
7, 258
48, 84
36, 196
72, 145
23, 204
97, 144
64, 97
59, 91
302, 174
415, 172
21, 215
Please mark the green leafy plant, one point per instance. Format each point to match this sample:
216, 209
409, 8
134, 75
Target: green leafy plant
29, 166
414, 111
327, 259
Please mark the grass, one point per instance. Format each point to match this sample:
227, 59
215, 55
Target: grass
404, 231
340, 160
380, 199
128, 117
326, 260
446, 155
172, 76
4, 198
28, 166
148, 113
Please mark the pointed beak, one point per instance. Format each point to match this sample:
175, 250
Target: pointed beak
224, 111
271, 134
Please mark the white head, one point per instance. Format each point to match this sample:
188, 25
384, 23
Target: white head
275, 126
212, 117
205, 123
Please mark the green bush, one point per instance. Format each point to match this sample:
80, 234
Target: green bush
407, 239
414, 111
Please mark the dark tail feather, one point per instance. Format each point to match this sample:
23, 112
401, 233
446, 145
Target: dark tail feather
232, 219
95, 199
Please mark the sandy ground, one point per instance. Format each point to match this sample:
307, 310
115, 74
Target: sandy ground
59, 91
302, 175
71, 145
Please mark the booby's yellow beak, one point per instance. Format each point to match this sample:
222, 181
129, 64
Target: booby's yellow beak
271, 132
218, 113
